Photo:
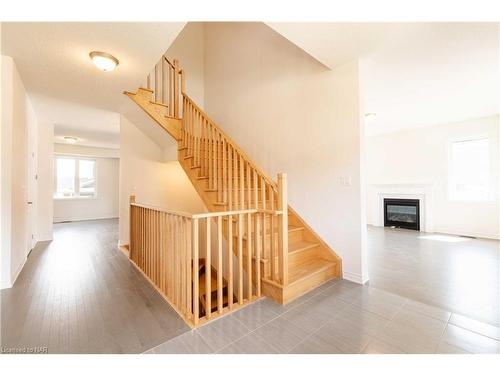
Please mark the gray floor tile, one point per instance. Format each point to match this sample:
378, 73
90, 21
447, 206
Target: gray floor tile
376, 346
469, 341
349, 339
408, 338
282, 334
431, 311
255, 315
306, 318
476, 326
222, 332
362, 320
423, 323
379, 302
445, 348
249, 344
316, 345
187, 343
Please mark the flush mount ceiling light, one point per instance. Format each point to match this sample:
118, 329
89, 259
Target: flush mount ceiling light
104, 61
370, 115
71, 140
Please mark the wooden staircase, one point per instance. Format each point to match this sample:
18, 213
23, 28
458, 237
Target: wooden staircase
227, 180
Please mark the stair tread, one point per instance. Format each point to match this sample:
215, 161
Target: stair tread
301, 245
308, 268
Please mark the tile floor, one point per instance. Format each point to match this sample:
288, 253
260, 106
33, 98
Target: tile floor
339, 317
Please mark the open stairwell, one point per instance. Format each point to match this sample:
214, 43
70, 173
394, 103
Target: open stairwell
274, 250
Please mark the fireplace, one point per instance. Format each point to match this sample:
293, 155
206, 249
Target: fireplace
402, 213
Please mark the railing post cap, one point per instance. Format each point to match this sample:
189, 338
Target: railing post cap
132, 199
282, 175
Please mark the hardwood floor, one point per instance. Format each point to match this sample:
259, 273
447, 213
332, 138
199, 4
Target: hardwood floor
80, 294
462, 277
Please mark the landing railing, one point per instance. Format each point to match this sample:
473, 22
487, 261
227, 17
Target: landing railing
201, 273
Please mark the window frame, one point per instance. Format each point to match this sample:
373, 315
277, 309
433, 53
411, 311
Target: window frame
451, 178
76, 158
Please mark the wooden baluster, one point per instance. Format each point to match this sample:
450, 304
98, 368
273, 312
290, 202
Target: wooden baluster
208, 273
257, 254
156, 83
132, 235
211, 183
216, 160
224, 170
242, 184
170, 96
283, 229
230, 176
182, 275
249, 256
230, 240
176, 88
274, 266
240, 259
196, 282
249, 188
163, 80
219, 265
255, 190
175, 248
235, 178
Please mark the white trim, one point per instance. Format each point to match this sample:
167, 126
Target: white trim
7, 284
85, 218
355, 277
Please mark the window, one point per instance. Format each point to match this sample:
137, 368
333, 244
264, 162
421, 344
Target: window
75, 178
470, 169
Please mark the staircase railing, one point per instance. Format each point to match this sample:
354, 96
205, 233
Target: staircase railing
187, 259
235, 178
166, 81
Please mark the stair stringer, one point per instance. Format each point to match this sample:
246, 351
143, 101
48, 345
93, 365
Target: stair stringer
157, 111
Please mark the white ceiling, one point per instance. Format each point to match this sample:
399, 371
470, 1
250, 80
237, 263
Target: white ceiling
63, 84
413, 75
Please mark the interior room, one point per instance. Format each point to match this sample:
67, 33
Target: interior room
250, 188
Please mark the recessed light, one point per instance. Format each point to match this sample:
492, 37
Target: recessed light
71, 140
370, 115
104, 61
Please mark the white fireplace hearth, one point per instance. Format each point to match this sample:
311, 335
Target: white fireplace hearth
376, 193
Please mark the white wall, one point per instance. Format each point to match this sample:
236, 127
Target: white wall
189, 49
291, 114
145, 174
420, 156
45, 206
17, 117
105, 205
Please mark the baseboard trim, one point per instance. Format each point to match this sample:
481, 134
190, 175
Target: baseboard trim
355, 277
6, 284
62, 220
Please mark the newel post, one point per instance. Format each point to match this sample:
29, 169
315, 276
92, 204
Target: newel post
283, 227
132, 234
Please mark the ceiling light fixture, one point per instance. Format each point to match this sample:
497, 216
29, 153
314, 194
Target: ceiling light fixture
370, 115
104, 61
70, 140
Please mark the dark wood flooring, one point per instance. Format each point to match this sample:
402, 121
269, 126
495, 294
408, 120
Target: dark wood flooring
80, 294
